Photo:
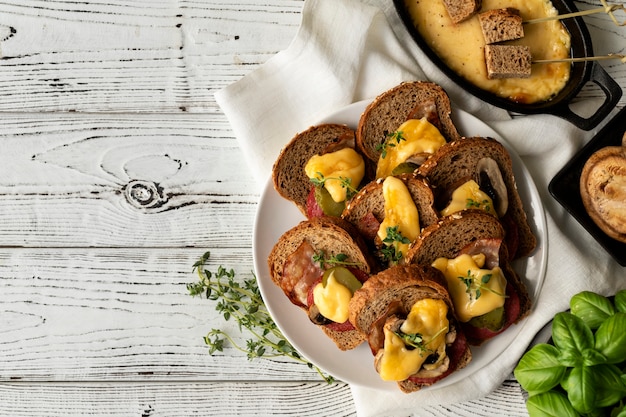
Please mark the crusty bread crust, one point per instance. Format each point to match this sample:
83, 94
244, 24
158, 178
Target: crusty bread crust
458, 159
288, 176
392, 108
370, 200
334, 236
406, 284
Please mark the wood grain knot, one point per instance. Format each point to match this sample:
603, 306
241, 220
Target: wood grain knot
144, 194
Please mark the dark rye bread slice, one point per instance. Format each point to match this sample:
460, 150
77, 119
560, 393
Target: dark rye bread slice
499, 25
370, 200
334, 236
393, 107
508, 61
461, 10
457, 160
456, 231
290, 180
404, 284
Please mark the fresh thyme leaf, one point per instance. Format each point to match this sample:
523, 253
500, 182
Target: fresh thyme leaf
242, 302
391, 253
391, 140
336, 260
345, 182
473, 287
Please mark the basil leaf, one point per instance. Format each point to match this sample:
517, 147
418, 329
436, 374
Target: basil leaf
550, 404
592, 308
611, 338
572, 337
539, 369
620, 301
593, 357
610, 388
580, 387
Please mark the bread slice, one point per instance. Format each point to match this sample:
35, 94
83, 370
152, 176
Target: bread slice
508, 61
602, 189
333, 236
461, 10
369, 201
499, 25
393, 107
458, 160
290, 180
392, 292
454, 233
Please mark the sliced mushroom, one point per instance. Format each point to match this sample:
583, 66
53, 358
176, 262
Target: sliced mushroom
490, 180
316, 317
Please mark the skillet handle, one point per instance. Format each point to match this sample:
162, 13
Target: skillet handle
612, 91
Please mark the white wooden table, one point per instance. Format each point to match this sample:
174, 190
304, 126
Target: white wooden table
117, 172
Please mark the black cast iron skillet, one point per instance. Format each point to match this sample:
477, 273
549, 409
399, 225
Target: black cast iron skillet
581, 73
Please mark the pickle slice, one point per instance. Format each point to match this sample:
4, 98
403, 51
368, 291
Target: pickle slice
494, 320
329, 206
404, 168
343, 276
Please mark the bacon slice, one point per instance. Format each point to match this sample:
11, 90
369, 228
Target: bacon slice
368, 226
299, 274
489, 247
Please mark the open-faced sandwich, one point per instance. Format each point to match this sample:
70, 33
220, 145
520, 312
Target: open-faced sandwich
468, 247
408, 317
319, 264
319, 169
477, 172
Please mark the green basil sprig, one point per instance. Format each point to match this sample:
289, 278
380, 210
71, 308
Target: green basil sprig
583, 371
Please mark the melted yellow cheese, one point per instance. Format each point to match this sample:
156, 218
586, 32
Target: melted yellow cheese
333, 299
429, 319
400, 211
419, 136
469, 195
345, 163
474, 291
461, 47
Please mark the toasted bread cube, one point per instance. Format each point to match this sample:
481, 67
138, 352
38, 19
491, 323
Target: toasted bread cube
508, 61
499, 25
461, 10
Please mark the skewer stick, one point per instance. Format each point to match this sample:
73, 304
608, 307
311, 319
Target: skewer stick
590, 58
609, 9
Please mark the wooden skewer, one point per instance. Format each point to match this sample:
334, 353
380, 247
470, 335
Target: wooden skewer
591, 58
609, 9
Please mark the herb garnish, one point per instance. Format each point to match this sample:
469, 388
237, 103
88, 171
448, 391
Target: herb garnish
339, 259
391, 253
392, 140
344, 182
474, 287
483, 205
416, 340
243, 303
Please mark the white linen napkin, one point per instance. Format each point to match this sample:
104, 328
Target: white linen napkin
350, 50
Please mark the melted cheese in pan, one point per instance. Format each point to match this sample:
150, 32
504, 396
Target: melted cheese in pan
461, 47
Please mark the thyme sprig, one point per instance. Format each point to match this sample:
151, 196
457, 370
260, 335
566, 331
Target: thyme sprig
242, 302
474, 286
390, 252
344, 182
392, 140
337, 260
416, 340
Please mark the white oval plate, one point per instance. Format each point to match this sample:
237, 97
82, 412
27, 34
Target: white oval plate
276, 215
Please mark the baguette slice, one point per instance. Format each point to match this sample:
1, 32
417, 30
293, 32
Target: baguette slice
333, 236
455, 232
393, 107
458, 160
290, 180
390, 294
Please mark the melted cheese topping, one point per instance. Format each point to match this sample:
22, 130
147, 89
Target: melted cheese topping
461, 47
419, 136
345, 163
474, 291
400, 211
469, 195
333, 299
428, 318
